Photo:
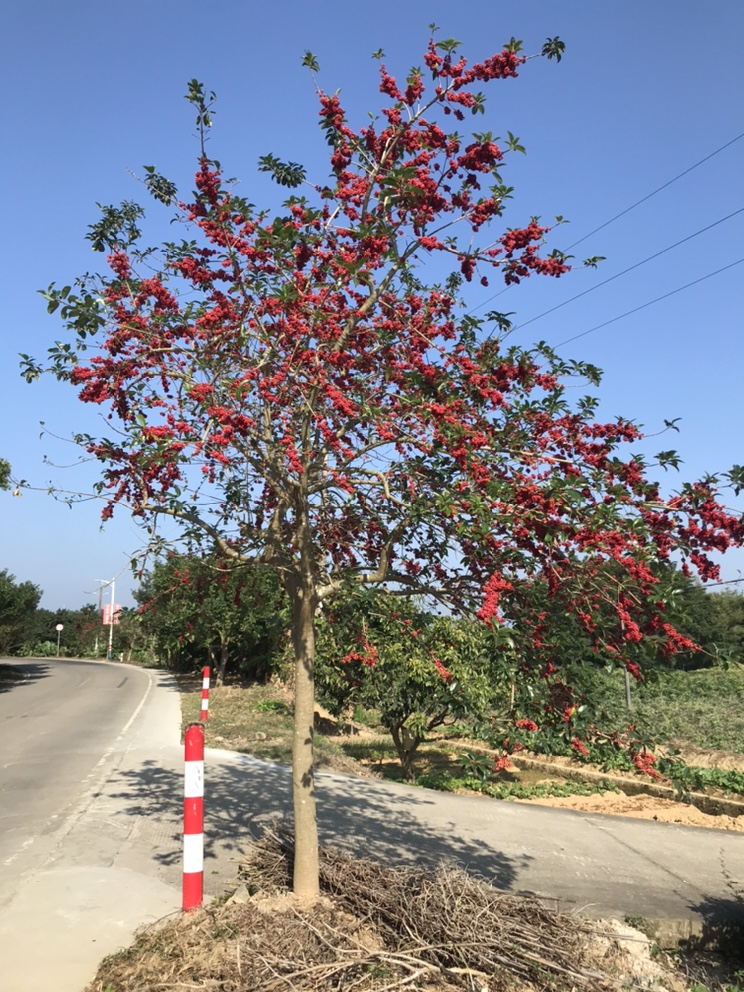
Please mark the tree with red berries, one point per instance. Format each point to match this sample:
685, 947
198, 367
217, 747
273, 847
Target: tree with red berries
212, 612
291, 390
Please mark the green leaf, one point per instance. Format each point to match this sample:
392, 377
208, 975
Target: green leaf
117, 227
198, 97
449, 45
284, 173
666, 458
159, 187
736, 478
30, 369
513, 144
310, 61
554, 48
502, 319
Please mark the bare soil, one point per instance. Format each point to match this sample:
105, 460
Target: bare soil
642, 808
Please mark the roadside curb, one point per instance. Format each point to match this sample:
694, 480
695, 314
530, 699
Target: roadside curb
713, 805
722, 934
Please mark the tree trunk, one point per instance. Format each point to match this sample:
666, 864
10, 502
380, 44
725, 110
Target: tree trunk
406, 745
224, 654
306, 884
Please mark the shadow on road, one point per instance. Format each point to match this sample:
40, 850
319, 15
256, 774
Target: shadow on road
15, 673
381, 823
723, 926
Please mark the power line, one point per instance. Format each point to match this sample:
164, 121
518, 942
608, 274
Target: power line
627, 210
629, 269
658, 190
650, 303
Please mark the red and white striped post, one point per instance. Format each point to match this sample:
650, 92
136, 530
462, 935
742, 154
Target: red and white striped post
205, 693
193, 817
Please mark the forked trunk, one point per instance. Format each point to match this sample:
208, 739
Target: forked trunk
306, 885
406, 745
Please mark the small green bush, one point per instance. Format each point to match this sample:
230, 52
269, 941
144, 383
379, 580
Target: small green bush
271, 706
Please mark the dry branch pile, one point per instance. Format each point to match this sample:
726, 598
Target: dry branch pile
460, 926
378, 929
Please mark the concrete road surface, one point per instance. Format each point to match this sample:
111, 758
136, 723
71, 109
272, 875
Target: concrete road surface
90, 811
76, 875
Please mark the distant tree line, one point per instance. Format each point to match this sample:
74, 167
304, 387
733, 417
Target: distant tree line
195, 611
28, 630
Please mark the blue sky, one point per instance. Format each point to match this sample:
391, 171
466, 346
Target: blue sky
645, 90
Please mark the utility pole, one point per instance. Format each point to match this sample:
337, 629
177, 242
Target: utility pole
100, 600
110, 653
112, 583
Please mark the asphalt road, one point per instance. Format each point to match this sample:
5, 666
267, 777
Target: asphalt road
76, 875
90, 809
57, 726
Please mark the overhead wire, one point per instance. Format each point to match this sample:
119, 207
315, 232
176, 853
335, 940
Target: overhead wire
629, 269
627, 210
643, 306
657, 190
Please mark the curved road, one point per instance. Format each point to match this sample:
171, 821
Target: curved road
57, 727
90, 809
76, 876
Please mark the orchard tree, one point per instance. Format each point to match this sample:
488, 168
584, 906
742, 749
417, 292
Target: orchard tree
417, 670
219, 610
291, 388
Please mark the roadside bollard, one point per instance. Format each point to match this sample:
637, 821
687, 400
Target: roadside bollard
193, 817
205, 694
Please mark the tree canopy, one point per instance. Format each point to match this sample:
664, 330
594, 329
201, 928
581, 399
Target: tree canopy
304, 391
18, 602
213, 613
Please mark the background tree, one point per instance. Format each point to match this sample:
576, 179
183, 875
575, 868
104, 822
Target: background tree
83, 636
692, 610
202, 610
18, 602
290, 390
728, 611
130, 640
417, 670
713, 620
4, 474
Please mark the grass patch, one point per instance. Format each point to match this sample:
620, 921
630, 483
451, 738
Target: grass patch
254, 719
257, 720
702, 709
543, 790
